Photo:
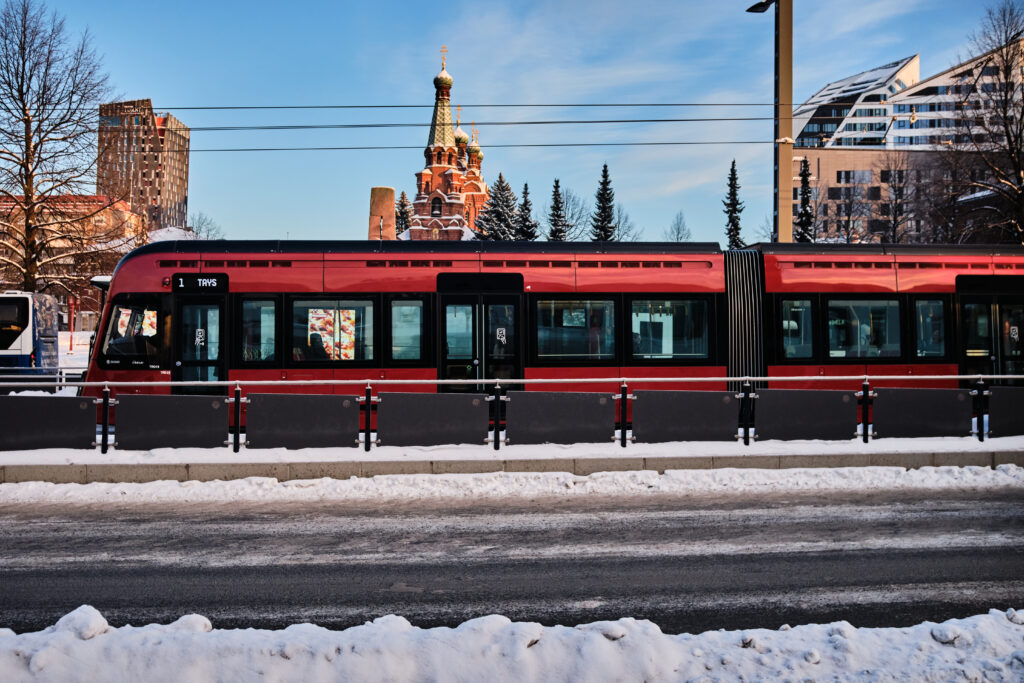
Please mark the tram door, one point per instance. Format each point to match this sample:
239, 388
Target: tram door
481, 332
992, 328
199, 343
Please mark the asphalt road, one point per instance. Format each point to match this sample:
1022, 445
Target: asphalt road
688, 564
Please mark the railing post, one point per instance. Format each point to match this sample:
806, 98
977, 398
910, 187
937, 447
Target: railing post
238, 417
367, 427
496, 400
623, 407
745, 412
865, 409
981, 395
105, 420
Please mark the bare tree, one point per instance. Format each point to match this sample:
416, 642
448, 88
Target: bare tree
990, 120
765, 231
204, 227
678, 231
49, 87
577, 216
852, 212
898, 194
625, 229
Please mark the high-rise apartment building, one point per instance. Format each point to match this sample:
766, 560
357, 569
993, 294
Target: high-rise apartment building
143, 159
872, 139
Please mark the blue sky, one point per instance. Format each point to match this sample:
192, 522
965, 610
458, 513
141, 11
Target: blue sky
190, 53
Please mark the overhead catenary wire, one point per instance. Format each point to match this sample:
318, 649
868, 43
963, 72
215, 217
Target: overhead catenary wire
498, 146
474, 106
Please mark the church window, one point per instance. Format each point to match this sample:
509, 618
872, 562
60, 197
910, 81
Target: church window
439, 158
435, 206
450, 159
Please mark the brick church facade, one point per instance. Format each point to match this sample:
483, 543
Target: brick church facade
450, 190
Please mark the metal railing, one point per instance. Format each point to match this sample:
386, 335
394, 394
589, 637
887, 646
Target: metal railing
495, 389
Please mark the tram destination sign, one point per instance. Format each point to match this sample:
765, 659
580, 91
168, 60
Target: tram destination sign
200, 283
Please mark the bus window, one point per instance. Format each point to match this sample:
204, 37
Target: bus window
797, 341
669, 329
332, 330
575, 330
930, 323
137, 332
863, 328
259, 330
13, 319
406, 330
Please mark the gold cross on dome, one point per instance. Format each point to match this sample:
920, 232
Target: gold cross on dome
444, 55
458, 115
473, 128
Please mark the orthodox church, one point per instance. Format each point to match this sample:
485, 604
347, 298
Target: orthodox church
450, 190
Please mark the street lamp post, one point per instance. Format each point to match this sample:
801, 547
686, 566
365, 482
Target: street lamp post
783, 213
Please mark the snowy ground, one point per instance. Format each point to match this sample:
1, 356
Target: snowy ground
83, 647
523, 485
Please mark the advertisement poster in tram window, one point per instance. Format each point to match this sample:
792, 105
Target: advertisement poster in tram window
346, 340
336, 329
149, 323
123, 319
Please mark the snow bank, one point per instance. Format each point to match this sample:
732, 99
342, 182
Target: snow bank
83, 647
525, 485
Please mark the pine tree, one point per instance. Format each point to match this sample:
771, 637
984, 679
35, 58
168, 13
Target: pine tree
602, 223
805, 216
526, 226
558, 226
403, 214
497, 221
733, 209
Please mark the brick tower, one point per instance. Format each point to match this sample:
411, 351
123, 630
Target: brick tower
450, 190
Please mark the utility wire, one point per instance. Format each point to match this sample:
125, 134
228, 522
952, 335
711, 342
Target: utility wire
474, 106
506, 146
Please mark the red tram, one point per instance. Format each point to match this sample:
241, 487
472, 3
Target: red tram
352, 311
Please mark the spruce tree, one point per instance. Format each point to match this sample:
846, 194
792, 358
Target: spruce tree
733, 209
558, 226
497, 221
602, 223
526, 226
403, 214
805, 216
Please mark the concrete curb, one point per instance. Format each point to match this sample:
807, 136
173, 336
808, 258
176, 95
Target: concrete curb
345, 469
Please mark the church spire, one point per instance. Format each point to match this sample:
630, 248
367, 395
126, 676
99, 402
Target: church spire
442, 134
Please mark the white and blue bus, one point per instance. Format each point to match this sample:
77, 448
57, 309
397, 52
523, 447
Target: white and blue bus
28, 333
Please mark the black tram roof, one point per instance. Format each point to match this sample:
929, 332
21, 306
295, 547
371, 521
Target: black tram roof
811, 249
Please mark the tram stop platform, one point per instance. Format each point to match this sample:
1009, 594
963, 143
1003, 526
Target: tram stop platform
83, 466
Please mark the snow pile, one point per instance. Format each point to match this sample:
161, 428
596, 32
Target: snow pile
83, 647
522, 485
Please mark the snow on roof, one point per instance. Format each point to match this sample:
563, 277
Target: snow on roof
861, 82
170, 234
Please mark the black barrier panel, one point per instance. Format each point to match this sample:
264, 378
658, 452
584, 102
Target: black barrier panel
407, 419
806, 414
1006, 411
557, 417
660, 416
921, 412
301, 421
145, 422
28, 422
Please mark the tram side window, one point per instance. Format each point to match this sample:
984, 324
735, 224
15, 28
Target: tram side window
863, 328
669, 329
930, 322
13, 320
797, 337
406, 330
259, 330
137, 333
332, 330
575, 330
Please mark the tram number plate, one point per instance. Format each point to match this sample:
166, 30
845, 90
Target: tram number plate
200, 282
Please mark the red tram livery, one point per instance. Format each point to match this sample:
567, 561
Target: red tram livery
356, 311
